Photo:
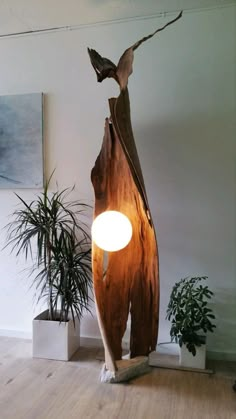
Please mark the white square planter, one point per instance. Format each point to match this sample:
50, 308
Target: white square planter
55, 340
186, 358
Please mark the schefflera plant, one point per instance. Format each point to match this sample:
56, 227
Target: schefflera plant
189, 313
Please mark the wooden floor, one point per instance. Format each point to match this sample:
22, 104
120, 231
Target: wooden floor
44, 389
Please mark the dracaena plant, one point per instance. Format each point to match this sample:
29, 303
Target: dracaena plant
51, 231
189, 313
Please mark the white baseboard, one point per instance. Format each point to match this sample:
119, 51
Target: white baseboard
221, 356
91, 342
16, 334
96, 342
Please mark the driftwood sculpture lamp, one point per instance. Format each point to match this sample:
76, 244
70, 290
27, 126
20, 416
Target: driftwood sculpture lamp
125, 255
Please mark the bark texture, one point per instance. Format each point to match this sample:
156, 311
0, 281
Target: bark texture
129, 281
126, 281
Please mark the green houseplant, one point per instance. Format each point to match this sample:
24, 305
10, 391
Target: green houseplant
189, 313
51, 231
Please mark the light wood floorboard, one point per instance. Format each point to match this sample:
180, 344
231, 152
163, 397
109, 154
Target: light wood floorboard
44, 389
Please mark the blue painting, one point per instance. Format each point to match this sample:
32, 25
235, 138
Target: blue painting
21, 141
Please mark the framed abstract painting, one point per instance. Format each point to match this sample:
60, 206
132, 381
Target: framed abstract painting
21, 141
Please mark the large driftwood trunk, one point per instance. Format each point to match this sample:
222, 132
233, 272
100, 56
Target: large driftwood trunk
126, 281
130, 282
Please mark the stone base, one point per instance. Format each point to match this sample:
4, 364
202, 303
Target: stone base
127, 369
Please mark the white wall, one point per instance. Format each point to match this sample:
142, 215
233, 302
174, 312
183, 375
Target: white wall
183, 110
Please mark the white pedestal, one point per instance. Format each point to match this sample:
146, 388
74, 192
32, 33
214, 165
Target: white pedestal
186, 358
55, 340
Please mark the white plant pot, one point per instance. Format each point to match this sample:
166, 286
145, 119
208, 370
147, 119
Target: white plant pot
55, 340
186, 358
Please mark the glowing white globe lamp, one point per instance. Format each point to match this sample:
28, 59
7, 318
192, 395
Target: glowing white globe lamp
111, 231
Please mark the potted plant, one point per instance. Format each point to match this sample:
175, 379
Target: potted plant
191, 319
52, 232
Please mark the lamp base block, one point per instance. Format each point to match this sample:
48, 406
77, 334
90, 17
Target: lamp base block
127, 369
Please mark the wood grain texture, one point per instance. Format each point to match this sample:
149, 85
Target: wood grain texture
130, 280
45, 389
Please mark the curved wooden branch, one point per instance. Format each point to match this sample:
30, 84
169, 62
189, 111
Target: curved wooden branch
130, 281
105, 68
138, 43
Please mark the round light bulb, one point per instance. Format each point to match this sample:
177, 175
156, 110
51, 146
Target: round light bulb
111, 231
